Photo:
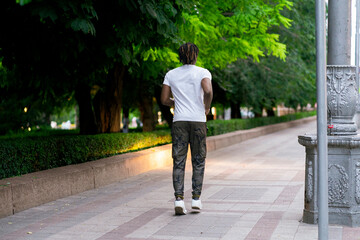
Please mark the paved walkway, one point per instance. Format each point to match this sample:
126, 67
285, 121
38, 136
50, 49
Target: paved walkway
253, 190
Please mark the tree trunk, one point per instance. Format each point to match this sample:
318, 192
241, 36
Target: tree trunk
77, 122
165, 110
235, 110
126, 121
86, 114
270, 112
258, 115
47, 119
147, 115
107, 103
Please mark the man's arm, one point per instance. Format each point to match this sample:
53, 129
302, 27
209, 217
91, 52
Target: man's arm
166, 96
208, 93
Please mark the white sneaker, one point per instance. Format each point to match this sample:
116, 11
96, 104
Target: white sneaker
180, 207
196, 204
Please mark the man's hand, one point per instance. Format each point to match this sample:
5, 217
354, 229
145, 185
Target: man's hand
207, 111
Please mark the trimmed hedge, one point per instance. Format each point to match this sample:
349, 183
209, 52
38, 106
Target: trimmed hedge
25, 155
21, 155
217, 127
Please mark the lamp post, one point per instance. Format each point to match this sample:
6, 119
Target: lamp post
321, 120
333, 160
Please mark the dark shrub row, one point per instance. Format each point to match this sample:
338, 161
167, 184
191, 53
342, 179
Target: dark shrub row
218, 127
21, 155
24, 155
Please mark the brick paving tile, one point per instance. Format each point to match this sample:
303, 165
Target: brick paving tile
252, 191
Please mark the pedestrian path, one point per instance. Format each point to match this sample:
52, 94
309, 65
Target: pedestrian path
252, 190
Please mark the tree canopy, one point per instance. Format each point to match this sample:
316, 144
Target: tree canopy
105, 55
270, 82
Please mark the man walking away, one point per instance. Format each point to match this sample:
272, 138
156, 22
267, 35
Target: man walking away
191, 89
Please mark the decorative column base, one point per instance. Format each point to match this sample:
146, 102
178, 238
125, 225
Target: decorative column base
342, 126
342, 95
344, 179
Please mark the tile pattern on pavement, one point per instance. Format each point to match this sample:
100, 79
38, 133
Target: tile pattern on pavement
252, 190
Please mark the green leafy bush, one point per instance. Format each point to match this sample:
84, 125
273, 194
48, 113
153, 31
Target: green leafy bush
44, 131
217, 127
30, 154
21, 154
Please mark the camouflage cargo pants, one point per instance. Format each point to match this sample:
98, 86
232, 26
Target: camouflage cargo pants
183, 133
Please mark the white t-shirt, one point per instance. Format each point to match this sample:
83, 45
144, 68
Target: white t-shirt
185, 84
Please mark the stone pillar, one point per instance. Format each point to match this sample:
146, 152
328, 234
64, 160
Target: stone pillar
341, 81
344, 179
343, 141
339, 32
343, 153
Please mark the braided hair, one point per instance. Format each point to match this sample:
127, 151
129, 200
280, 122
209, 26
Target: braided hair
188, 53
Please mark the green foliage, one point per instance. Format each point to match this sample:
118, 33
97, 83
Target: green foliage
18, 94
225, 31
270, 82
78, 15
217, 127
228, 30
23, 2
74, 45
24, 155
41, 71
